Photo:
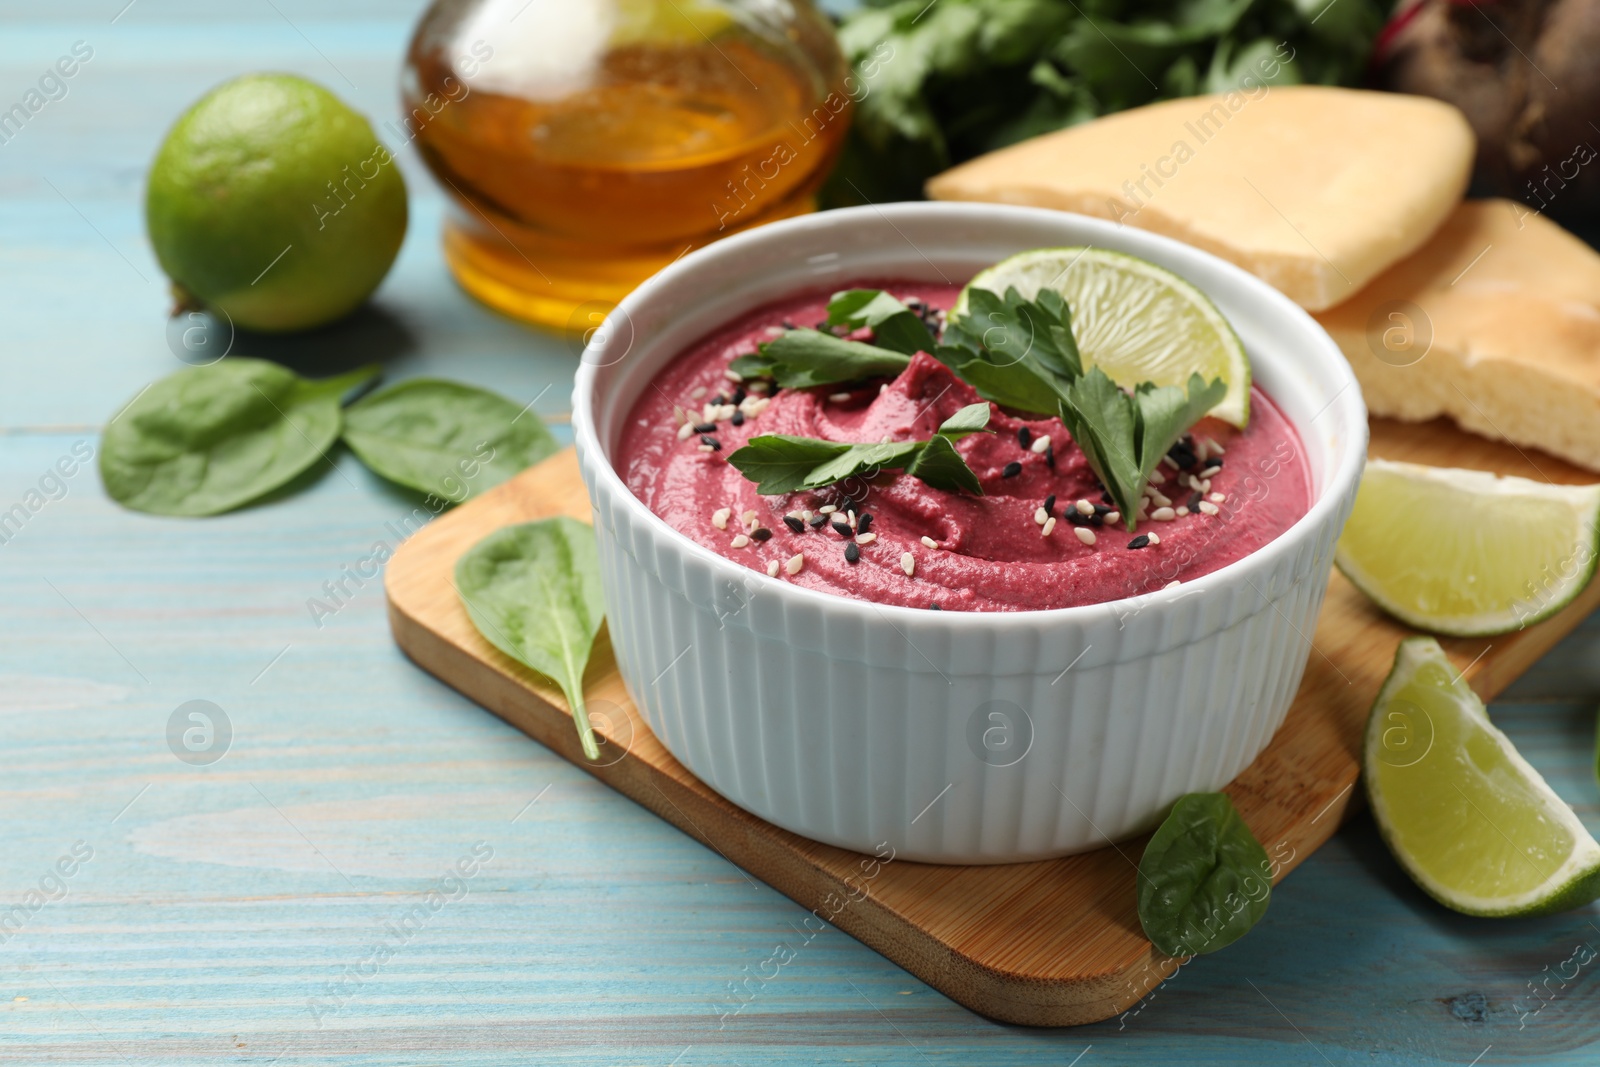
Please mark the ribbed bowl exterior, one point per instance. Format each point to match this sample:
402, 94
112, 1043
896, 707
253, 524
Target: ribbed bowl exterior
960, 737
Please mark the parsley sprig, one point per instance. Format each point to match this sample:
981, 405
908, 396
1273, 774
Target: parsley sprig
781, 463
1017, 352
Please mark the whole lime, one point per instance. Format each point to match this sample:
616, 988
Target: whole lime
274, 203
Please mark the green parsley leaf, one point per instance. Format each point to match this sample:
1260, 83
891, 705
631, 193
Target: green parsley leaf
1103, 422
941, 466
780, 463
1016, 352
894, 326
801, 359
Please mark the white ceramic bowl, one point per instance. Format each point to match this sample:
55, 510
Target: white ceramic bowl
955, 737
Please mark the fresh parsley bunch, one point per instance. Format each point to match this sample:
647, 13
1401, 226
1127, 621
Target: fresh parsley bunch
954, 79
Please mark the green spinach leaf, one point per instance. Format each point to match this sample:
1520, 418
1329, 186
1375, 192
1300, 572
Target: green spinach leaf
451, 440
533, 591
1204, 880
209, 439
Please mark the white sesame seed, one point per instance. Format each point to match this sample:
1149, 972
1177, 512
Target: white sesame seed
796, 561
1048, 528
1158, 476
1216, 449
1040, 444
884, 388
756, 387
1192, 482
1163, 514
708, 413
774, 331
1155, 538
908, 563
1160, 499
1211, 472
1205, 485
685, 430
1113, 517
749, 517
838, 398
1219, 498
850, 517
1039, 515
866, 538
726, 412
1209, 508
739, 541
732, 375
679, 416
1182, 510
929, 542
1084, 507
827, 509
772, 568
1085, 534
707, 448
1173, 583
720, 517
806, 516
1169, 461
697, 392
1201, 450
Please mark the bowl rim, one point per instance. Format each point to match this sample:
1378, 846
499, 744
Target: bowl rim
1340, 479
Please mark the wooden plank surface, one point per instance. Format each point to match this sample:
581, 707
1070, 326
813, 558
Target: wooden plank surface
221, 900
1043, 944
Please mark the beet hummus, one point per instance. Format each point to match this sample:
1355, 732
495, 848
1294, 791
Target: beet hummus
1043, 535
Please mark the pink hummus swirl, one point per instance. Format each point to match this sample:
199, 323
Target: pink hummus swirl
990, 553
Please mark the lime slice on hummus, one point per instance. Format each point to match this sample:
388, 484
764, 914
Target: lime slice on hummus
1134, 320
1468, 553
1467, 817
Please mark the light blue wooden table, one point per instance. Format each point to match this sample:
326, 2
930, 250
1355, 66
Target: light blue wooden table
231, 913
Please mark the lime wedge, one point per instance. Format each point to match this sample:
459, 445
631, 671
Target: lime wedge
1134, 320
1471, 822
1468, 553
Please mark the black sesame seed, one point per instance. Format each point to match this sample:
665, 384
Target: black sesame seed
1050, 505
738, 396
719, 400
1074, 518
705, 427
1025, 437
842, 528
863, 521
787, 325
794, 524
1011, 470
823, 327
707, 439
1101, 509
1214, 461
818, 521
852, 552
1050, 455
738, 418
1105, 498
761, 533
1140, 541
1094, 520
934, 607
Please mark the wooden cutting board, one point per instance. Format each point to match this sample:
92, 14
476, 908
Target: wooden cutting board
1048, 944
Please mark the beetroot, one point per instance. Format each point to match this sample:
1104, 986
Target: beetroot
1525, 72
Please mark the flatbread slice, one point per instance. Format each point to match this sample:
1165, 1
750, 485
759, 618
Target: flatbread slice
1495, 322
1314, 189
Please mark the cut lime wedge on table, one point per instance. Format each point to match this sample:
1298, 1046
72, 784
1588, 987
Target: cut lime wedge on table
1468, 553
1134, 320
1472, 823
